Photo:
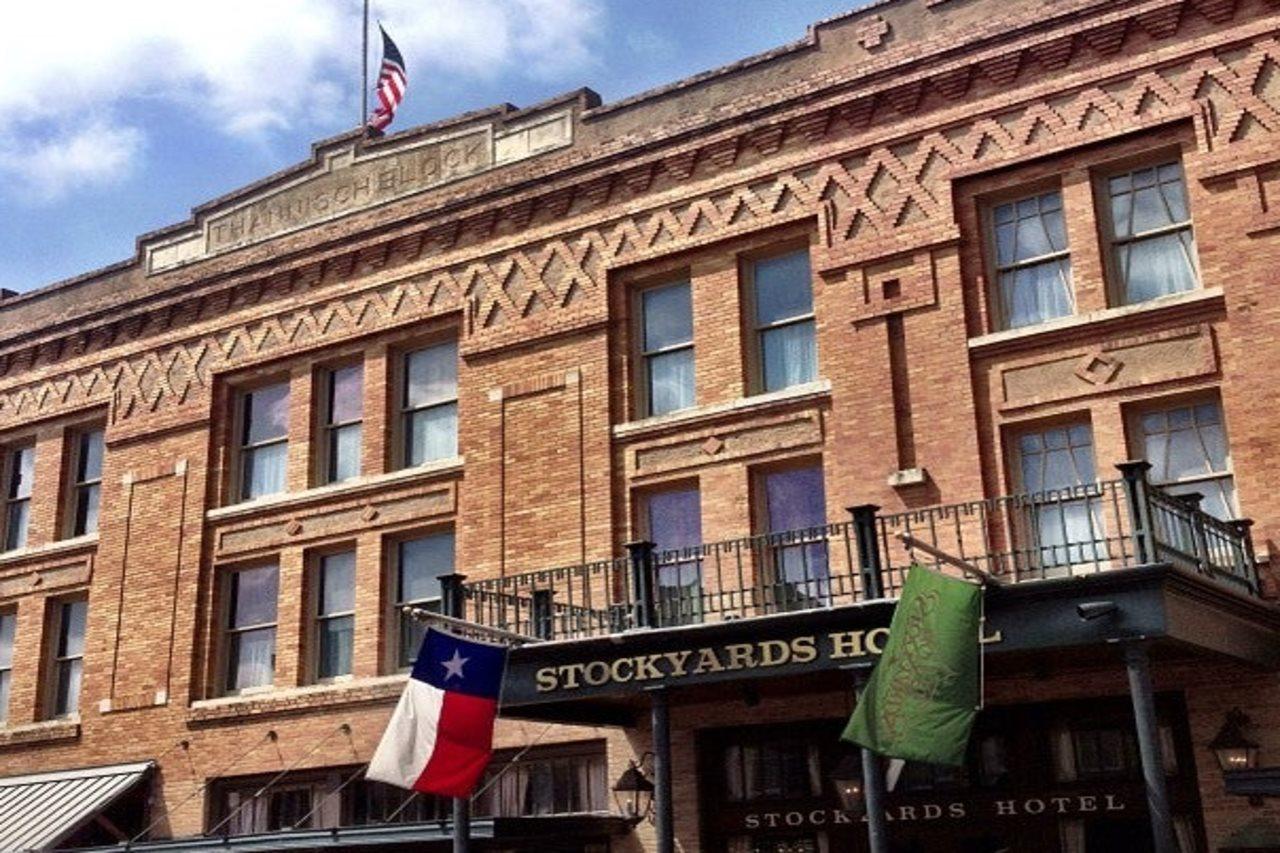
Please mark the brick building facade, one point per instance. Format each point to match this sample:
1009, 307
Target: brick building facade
952, 259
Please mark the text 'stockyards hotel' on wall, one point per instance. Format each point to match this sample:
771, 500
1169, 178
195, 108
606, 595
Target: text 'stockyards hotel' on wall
658, 384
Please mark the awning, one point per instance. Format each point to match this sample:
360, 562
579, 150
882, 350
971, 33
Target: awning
39, 810
505, 833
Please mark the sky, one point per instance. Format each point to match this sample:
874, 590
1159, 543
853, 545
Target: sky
117, 118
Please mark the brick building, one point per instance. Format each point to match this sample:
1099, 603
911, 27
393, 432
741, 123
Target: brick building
945, 262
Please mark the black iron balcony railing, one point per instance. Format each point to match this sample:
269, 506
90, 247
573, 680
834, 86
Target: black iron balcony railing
1108, 525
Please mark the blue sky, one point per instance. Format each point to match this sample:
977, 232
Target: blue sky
129, 114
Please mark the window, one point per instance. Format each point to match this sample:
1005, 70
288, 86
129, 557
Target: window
430, 404
343, 412
375, 803
795, 512
335, 614
1187, 449
8, 628
86, 487
666, 349
17, 513
68, 655
251, 627
553, 780
782, 294
1033, 268
248, 806
1152, 246
264, 441
778, 768
1062, 524
673, 521
420, 563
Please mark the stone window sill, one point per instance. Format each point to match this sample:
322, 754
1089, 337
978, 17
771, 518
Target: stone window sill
349, 488
291, 700
699, 414
1076, 321
44, 731
49, 549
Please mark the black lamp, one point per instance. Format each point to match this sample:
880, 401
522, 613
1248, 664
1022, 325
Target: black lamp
1233, 750
847, 778
633, 792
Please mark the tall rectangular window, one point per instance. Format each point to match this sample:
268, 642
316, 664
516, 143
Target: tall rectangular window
251, 627
68, 656
19, 475
1153, 249
335, 614
420, 563
264, 441
430, 404
674, 524
1063, 525
1033, 266
666, 348
782, 294
1187, 449
8, 630
86, 487
343, 416
795, 512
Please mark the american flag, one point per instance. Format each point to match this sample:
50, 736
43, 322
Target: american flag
392, 82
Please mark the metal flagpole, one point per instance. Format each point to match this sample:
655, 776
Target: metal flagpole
364, 69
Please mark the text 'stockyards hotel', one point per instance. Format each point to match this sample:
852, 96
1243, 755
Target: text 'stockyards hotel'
659, 383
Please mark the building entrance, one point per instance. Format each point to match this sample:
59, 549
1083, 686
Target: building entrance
1063, 777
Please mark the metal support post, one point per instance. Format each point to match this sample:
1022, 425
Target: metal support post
864, 531
1144, 715
1136, 486
644, 604
873, 788
664, 817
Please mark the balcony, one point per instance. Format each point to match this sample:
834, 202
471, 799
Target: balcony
1109, 526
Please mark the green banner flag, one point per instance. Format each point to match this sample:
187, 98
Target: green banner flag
920, 701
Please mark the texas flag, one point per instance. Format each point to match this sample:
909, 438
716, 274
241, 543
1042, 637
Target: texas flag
440, 737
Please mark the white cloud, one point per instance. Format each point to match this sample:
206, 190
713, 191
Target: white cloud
96, 154
248, 68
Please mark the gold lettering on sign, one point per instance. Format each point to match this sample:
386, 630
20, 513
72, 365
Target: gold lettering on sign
350, 188
731, 657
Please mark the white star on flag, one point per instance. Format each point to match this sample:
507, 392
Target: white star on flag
453, 666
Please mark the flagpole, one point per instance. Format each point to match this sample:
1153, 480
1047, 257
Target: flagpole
364, 69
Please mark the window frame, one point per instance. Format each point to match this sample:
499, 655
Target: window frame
515, 761
987, 205
402, 432
643, 358
1100, 177
682, 596
393, 550
241, 446
226, 613
57, 660
327, 428
8, 615
317, 619
755, 332
76, 486
1137, 434
771, 569
9, 470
